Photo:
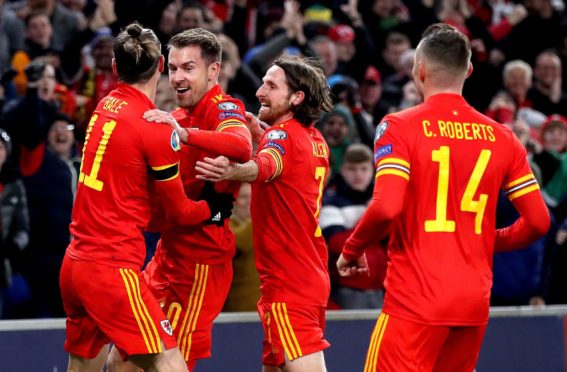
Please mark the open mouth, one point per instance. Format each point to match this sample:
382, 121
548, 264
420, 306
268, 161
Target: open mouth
182, 90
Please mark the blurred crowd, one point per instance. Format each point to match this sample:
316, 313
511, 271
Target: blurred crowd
55, 65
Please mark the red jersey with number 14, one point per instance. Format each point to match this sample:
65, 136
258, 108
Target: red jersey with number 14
112, 206
456, 161
290, 251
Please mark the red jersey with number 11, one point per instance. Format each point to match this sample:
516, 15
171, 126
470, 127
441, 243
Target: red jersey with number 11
290, 251
112, 206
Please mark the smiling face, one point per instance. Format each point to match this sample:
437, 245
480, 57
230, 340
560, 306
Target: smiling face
274, 96
190, 75
60, 138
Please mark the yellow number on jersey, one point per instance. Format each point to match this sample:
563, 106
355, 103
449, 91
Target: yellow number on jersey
91, 180
468, 204
320, 176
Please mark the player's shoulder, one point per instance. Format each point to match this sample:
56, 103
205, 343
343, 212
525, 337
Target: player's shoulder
179, 113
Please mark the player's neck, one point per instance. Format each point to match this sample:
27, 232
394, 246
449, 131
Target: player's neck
149, 89
285, 117
432, 91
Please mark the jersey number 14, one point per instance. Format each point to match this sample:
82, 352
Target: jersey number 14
468, 204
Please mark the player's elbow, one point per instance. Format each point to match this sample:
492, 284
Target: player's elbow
245, 152
540, 226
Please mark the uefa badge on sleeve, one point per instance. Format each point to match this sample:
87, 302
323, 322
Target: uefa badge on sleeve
175, 142
380, 130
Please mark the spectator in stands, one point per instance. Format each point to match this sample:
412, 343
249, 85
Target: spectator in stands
245, 290
50, 190
326, 53
354, 48
337, 126
95, 82
11, 36
546, 94
14, 217
370, 91
344, 202
517, 80
521, 276
28, 118
396, 44
552, 159
64, 22
237, 78
393, 86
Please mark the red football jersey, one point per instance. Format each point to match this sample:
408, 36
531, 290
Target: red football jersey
456, 161
205, 244
112, 204
291, 256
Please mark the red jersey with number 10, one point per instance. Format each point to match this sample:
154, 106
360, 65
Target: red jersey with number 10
112, 206
205, 244
456, 161
290, 251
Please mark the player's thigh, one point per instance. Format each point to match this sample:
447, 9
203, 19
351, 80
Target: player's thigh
460, 351
123, 307
291, 332
84, 338
399, 345
192, 304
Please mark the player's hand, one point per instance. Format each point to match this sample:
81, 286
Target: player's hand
217, 169
346, 268
256, 127
220, 204
164, 117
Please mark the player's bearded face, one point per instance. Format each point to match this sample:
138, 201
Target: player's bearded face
188, 75
274, 96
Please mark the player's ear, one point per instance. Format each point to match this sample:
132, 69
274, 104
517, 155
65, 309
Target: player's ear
470, 70
297, 98
114, 70
161, 66
214, 70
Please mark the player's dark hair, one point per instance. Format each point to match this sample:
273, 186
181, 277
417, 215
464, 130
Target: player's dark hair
137, 52
357, 153
307, 76
445, 45
209, 43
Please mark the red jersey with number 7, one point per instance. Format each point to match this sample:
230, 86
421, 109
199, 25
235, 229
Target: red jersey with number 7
456, 161
291, 256
112, 205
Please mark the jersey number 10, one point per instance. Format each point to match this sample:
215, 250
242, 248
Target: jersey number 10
468, 204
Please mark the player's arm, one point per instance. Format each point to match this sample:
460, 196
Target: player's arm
534, 218
231, 138
376, 223
265, 166
178, 209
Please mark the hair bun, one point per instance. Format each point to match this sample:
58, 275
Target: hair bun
134, 30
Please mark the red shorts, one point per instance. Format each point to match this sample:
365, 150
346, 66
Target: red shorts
401, 345
294, 329
106, 304
192, 303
